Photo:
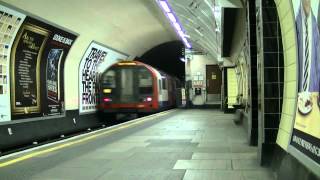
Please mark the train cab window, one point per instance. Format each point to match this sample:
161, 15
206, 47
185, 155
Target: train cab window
109, 79
145, 81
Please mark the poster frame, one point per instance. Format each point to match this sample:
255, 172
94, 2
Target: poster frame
300, 156
45, 33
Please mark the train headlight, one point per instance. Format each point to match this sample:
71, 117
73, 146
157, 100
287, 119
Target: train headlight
107, 99
147, 99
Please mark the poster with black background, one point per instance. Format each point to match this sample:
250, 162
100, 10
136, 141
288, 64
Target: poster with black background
37, 65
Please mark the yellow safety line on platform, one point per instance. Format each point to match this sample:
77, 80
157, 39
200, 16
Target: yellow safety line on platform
107, 132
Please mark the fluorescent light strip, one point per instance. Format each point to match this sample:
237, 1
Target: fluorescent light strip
181, 34
177, 26
164, 6
174, 21
172, 18
186, 42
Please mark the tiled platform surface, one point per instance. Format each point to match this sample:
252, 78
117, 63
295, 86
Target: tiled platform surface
185, 144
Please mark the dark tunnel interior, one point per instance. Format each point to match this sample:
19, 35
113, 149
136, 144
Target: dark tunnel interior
166, 57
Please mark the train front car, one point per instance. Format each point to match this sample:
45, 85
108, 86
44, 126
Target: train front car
129, 87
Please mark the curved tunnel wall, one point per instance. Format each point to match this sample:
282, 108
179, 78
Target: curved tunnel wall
286, 17
166, 57
133, 31
92, 22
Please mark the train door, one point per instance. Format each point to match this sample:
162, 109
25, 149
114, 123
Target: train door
214, 81
170, 91
127, 89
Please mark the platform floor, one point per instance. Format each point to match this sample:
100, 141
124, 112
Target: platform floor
182, 144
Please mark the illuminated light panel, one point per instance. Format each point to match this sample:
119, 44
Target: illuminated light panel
126, 63
107, 90
164, 6
216, 11
171, 17
174, 21
188, 45
181, 34
186, 42
177, 26
149, 99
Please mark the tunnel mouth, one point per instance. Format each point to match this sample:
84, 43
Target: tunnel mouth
167, 58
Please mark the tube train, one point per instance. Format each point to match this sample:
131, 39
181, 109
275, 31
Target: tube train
135, 87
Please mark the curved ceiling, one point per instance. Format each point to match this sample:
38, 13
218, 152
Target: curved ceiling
202, 23
198, 20
131, 26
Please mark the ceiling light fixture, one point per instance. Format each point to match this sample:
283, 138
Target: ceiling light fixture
164, 6
182, 59
177, 26
181, 34
216, 11
171, 17
174, 21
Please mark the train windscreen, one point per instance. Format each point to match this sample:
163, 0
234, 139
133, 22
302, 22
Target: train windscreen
127, 84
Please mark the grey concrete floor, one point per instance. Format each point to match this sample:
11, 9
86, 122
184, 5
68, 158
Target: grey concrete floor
184, 144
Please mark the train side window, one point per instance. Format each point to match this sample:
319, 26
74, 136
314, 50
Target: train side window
109, 79
160, 88
164, 84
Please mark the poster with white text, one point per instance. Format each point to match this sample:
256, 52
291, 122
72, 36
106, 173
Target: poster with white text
96, 59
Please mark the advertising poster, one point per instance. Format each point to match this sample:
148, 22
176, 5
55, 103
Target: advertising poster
96, 59
10, 22
306, 131
37, 62
26, 54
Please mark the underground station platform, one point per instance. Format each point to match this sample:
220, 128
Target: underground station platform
175, 144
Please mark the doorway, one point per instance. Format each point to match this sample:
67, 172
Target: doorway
213, 83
